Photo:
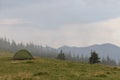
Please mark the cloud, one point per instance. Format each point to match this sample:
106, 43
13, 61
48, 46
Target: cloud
82, 34
61, 12
13, 21
61, 22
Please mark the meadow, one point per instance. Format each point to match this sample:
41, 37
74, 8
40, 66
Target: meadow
53, 69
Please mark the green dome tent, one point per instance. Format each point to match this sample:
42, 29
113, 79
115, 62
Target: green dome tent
22, 55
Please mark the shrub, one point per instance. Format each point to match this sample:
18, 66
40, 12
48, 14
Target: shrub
40, 73
101, 75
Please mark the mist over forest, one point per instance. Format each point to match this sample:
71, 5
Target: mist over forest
80, 54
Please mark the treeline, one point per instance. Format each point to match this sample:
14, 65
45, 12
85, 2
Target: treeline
36, 50
39, 50
86, 59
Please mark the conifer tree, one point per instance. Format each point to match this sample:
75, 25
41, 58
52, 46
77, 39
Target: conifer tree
94, 58
61, 55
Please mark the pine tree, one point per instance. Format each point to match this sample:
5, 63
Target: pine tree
108, 61
61, 55
94, 58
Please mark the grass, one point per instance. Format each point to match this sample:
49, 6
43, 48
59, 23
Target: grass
52, 69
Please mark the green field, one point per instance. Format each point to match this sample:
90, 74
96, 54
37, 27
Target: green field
52, 69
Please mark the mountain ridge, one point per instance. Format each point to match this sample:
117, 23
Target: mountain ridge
104, 50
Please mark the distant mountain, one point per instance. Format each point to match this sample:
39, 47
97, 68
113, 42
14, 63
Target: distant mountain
103, 50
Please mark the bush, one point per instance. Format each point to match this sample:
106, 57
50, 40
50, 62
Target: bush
108, 73
40, 73
29, 62
101, 75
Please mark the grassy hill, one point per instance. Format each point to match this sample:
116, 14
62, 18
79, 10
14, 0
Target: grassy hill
52, 69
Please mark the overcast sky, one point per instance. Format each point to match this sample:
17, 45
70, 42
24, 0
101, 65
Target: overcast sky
61, 22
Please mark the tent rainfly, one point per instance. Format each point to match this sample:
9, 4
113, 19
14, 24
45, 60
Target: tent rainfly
22, 55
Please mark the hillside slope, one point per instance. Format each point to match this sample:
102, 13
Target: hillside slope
52, 69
